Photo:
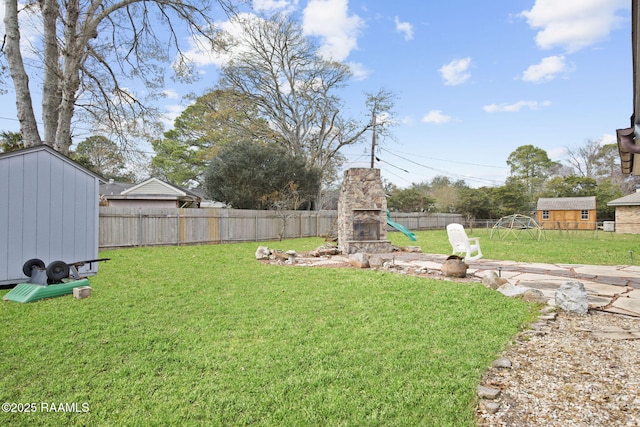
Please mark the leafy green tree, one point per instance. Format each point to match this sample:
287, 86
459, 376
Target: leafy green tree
445, 193
531, 166
570, 186
104, 157
512, 198
10, 141
412, 199
247, 175
475, 203
216, 119
607, 191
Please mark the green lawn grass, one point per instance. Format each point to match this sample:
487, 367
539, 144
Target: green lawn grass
562, 247
207, 335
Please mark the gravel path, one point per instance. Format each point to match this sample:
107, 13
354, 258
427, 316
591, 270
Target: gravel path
568, 370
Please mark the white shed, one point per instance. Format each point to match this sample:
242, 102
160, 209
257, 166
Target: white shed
48, 210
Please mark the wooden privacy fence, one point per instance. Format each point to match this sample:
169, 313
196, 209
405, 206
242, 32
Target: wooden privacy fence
126, 226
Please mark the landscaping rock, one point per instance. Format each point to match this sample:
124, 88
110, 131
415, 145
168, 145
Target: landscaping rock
489, 407
572, 296
327, 250
511, 290
359, 260
535, 296
488, 392
502, 363
413, 249
491, 280
376, 261
262, 252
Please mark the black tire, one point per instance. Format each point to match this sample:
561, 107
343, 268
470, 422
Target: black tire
57, 270
27, 266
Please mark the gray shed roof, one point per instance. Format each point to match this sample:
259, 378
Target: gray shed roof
43, 147
566, 203
632, 199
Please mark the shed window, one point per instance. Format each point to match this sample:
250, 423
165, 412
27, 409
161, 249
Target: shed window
584, 214
545, 215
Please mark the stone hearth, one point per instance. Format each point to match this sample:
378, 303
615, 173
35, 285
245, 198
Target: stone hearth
362, 213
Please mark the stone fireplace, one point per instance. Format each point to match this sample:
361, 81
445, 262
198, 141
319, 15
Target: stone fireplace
362, 213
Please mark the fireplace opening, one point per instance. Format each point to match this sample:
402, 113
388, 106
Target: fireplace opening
366, 230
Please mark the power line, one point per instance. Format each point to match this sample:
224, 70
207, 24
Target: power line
444, 172
451, 161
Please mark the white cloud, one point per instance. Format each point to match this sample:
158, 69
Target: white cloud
329, 20
170, 94
359, 71
608, 138
547, 69
456, 72
172, 112
513, 108
405, 28
201, 54
573, 24
273, 5
436, 117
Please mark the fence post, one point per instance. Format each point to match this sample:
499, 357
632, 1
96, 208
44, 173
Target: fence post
178, 228
140, 242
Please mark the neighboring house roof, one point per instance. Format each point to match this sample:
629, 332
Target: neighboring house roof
150, 189
114, 188
206, 203
629, 200
566, 203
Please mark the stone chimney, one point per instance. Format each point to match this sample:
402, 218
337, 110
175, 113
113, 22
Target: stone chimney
362, 213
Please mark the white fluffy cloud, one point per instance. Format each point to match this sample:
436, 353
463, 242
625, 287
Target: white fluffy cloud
573, 24
272, 5
405, 28
548, 69
326, 19
436, 117
456, 72
329, 20
515, 107
359, 71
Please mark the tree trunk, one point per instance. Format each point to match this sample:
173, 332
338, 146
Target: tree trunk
24, 106
52, 73
75, 43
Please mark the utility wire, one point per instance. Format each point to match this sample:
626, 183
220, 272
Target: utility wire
382, 161
441, 171
449, 161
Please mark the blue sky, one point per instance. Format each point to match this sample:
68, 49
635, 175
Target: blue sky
474, 79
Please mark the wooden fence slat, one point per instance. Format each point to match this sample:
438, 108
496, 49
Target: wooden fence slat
127, 226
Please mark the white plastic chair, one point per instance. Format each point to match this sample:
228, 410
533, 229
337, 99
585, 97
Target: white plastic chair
462, 244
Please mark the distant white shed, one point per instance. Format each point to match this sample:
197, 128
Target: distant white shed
48, 210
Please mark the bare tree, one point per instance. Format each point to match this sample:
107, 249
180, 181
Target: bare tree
380, 105
584, 159
278, 68
88, 48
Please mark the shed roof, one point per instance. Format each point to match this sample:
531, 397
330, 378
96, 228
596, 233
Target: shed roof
566, 203
46, 148
632, 199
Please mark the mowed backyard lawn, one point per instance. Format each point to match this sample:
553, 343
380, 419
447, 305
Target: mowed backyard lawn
207, 335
